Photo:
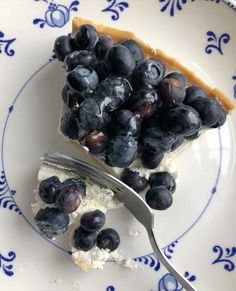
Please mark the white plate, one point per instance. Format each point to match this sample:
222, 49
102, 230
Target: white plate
198, 231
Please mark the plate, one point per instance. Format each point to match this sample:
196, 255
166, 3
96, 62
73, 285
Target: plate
197, 232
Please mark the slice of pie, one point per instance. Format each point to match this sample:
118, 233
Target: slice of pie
131, 106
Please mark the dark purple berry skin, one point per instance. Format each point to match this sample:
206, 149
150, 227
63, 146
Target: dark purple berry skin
84, 58
208, 109
171, 91
134, 180
120, 60
86, 37
49, 189
178, 142
178, 76
71, 99
159, 198
103, 70
103, 45
52, 221
84, 240
121, 151
125, 123
134, 48
108, 239
163, 179
93, 220
193, 136
151, 160
96, 142
182, 120
193, 92
62, 47
148, 72
221, 119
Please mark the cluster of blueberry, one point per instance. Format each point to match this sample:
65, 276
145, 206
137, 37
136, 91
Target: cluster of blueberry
66, 197
123, 106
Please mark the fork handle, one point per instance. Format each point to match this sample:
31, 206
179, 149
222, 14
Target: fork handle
178, 276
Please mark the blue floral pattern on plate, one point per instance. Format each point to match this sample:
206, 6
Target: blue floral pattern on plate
115, 8
169, 283
5, 265
215, 42
234, 88
5, 45
223, 257
56, 15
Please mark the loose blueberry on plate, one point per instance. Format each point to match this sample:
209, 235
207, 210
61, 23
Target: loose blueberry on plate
71, 196
178, 76
221, 119
193, 92
148, 72
157, 140
125, 123
182, 120
151, 160
93, 220
163, 179
108, 239
84, 58
49, 189
104, 43
121, 60
208, 109
134, 180
71, 99
82, 79
171, 91
143, 101
62, 47
159, 198
84, 240
86, 37
52, 221
178, 142
134, 48
96, 142
121, 151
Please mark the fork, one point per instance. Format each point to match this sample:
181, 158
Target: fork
132, 201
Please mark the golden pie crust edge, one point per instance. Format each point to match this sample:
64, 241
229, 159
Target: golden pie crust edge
170, 63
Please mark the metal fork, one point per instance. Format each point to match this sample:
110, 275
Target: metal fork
133, 202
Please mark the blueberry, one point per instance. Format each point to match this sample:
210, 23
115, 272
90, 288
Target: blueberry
151, 160
162, 179
86, 37
84, 58
71, 99
70, 125
49, 189
192, 92
178, 76
208, 109
182, 120
90, 115
103, 70
96, 142
62, 47
104, 43
159, 198
171, 91
121, 60
52, 221
108, 239
143, 101
178, 142
84, 240
125, 123
134, 48
157, 140
148, 72
193, 136
121, 151
93, 220
154, 121
82, 79
70, 197
118, 89
134, 180
221, 119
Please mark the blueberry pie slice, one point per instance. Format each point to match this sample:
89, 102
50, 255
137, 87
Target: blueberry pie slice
131, 106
